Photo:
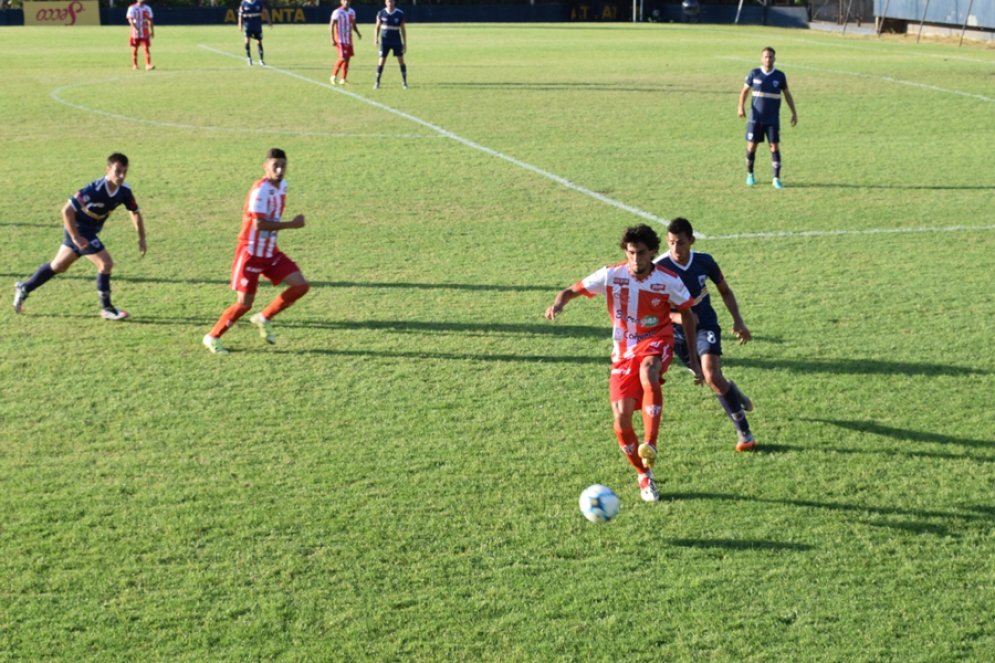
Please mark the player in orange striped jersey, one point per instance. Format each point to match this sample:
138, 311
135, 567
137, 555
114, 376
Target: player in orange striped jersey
640, 296
257, 255
341, 28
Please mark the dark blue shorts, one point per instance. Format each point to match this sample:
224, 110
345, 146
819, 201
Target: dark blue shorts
755, 132
96, 246
709, 343
254, 34
385, 50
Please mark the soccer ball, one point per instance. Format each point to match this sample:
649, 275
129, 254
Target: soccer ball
598, 503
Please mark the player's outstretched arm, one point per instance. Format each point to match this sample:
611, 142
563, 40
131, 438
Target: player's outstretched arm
791, 105
561, 300
739, 328
690, 326
139, 223
742, 101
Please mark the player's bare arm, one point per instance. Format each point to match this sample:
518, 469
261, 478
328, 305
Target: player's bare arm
791, 104
739, 328
263, 224
69, 221
561, 300
331, 32
265, 14
139, 223
404, 39
376, 32
356, 30
690, 326
742, 101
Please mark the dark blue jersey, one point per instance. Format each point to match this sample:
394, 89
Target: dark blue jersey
700, 268
767, 88
390, 27
251, 12
94, 203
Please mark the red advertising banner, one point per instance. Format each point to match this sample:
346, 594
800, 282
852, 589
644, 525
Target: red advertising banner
66, 12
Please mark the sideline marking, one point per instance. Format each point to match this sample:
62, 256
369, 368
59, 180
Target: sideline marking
880, 78
469, 143
173, 125
875, 231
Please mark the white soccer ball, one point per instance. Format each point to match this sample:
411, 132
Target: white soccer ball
598, 503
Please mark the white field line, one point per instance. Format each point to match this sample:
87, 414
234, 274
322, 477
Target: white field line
469, 143
874, 231
174, 125
879, 78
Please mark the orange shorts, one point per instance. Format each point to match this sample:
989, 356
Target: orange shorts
246, 270
624, 381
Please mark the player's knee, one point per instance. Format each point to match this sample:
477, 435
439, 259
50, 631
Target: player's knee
623, 421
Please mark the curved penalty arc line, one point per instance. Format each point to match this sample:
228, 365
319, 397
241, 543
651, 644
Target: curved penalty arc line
237, 130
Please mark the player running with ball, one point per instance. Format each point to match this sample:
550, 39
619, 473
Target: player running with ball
257, 255
640, 295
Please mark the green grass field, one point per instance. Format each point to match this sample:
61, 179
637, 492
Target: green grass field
397, 478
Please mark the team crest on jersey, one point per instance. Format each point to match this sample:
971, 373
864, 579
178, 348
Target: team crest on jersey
701, 280
620, 281
655, 301
776, 83
658, 287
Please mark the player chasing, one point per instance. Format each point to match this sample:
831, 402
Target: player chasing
142, 31
640, 295
257, 254
250, 23
340, 27
391, 36
767, 84
82, 219
695, 270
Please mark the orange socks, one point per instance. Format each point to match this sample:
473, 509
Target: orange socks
284, 300
629, 444
652, 409
338, 65
228, 318
345, 69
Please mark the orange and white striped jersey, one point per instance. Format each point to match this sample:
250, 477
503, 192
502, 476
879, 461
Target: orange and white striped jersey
640, 309
343, 19
140, 17
265, 202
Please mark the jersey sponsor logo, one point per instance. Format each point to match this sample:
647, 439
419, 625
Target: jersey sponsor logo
621, 371
620, 281
650, 321
658, 287
642, 337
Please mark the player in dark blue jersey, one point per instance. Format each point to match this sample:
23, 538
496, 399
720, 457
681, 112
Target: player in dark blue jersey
250, 22
767, 85
391, 36
695, 270
83, 217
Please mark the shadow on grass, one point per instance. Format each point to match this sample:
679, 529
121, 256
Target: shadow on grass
531, 359
853, 366
827, 185
862, 509
581, 87
472, 287
483, 328
738, 544
904, 434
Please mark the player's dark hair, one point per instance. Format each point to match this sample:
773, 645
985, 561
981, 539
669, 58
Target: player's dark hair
117, 157
772, 51
680, 226
641, 234
276, 153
